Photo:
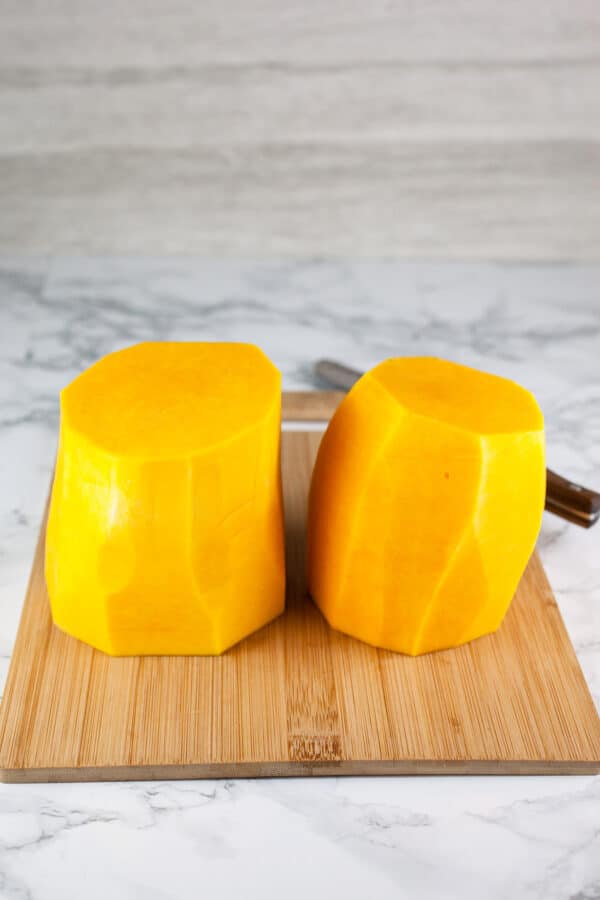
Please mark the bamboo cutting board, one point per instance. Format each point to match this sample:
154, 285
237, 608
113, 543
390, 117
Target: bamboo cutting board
297, 698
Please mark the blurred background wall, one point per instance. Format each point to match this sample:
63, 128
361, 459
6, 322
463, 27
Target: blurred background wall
441, 128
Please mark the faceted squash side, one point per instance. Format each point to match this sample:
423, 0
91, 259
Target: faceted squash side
165, 532
421, 519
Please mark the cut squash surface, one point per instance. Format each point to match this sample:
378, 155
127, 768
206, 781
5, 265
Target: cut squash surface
425, 504
165, 532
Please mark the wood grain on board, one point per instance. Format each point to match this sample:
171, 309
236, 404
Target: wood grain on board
297, 698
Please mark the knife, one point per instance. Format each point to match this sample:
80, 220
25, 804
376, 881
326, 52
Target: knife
564, 498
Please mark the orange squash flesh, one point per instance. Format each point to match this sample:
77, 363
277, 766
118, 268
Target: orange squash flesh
425, 504
165, 532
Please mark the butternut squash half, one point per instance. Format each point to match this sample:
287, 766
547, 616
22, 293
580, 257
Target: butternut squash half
425, 504
165, 533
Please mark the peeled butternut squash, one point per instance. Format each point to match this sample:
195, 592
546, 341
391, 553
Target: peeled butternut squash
425, 504
165, 532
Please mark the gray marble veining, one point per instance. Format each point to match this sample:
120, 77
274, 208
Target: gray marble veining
390, 838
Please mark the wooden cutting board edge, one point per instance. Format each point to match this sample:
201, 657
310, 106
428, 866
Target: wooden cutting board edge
284, 769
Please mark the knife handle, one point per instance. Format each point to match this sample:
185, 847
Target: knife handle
564, 498
571, 501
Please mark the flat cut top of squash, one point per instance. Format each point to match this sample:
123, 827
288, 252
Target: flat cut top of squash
171, 399
458, 395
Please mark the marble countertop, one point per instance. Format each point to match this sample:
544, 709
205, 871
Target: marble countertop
345, 837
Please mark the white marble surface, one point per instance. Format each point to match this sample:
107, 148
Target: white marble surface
352, 837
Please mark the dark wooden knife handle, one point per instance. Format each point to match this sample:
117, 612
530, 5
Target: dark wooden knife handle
571, 501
